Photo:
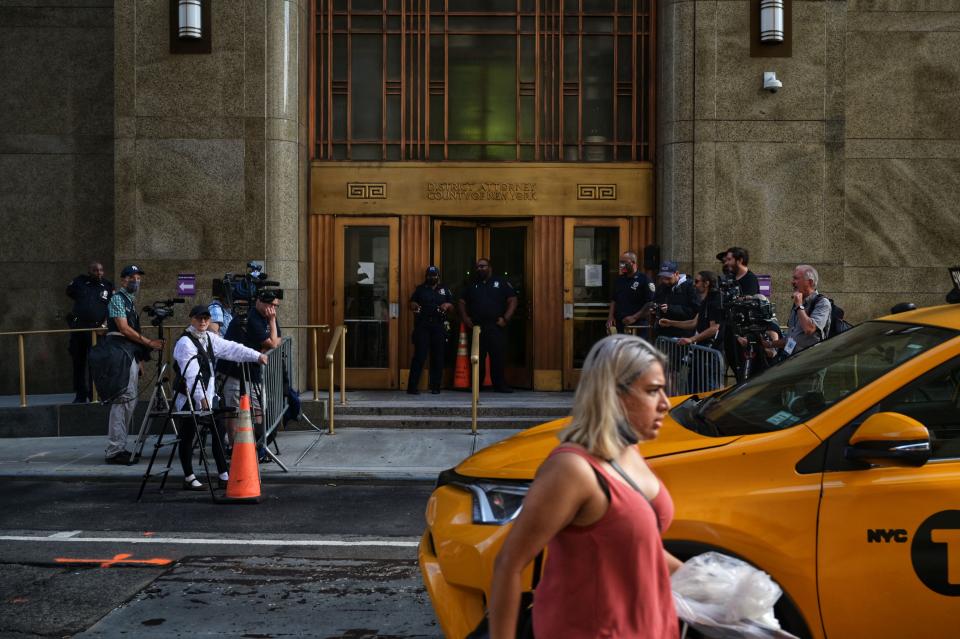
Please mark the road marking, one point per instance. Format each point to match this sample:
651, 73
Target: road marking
67, 534
122, 558
185, 541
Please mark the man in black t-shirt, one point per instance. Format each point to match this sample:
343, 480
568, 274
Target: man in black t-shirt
489, 302
631, 293
262, 333
735, 261
430, 303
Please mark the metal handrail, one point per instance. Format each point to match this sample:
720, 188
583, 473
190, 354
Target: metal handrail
22, 354
475, 377
166, 353
339, 339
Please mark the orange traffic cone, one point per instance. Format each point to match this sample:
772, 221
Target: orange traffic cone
244, 483
461, 372
486, 378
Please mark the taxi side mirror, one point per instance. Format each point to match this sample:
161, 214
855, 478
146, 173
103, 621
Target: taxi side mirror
890, 439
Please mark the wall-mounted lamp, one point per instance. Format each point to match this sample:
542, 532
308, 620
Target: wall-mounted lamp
771, 21
189, 20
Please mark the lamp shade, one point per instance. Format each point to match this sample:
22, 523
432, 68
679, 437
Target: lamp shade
189, 22
771, 21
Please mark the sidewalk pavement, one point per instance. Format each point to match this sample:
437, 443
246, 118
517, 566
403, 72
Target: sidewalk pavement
353, 454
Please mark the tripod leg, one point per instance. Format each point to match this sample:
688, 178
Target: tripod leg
158, 444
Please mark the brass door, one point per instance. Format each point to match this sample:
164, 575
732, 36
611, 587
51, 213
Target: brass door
591, 255
366, 292
458, 244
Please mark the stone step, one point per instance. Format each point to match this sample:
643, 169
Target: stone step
424, 422
447, 410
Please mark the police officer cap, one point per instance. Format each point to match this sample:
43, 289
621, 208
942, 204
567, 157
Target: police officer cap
433, 270
133, 269
199, 311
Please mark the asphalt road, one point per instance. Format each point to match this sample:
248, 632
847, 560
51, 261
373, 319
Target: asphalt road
331, 561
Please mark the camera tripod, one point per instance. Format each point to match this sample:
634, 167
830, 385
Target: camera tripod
159, 403
753, 354
202, 423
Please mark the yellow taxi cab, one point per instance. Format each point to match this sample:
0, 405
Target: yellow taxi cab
837, 472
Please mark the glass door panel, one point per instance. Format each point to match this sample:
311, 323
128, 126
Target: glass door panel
366, 304
592, 249
510, 256
596, 254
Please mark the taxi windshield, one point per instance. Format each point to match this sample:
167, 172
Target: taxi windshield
815, 379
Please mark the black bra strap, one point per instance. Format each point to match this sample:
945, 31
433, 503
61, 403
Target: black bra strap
633, 484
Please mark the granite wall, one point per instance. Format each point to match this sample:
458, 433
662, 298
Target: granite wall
56, 171
852, 166
210, 150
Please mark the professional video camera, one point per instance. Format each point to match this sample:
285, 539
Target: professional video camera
729, 290
240, 291
748, 315
161, 310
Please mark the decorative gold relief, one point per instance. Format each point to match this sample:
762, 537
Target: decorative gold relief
366, 190
596, 191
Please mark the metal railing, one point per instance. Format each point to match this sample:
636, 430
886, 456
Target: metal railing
166, 353
691, 368
274, 401
339, 339
22, 352
474, 377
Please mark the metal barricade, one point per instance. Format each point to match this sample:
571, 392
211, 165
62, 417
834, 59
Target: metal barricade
274, 401
691, 368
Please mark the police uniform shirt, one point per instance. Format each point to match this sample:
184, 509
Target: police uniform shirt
90, 300
487, 300
630, 293
430, 299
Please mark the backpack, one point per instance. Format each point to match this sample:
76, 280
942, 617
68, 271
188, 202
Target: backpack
837, 323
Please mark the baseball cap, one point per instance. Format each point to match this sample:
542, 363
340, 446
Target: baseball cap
667, 268
133, 269
721, 255
433, 270
199, 309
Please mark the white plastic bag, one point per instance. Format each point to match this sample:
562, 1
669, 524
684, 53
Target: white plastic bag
727, 598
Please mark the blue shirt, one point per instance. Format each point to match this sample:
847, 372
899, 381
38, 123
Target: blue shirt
220, 315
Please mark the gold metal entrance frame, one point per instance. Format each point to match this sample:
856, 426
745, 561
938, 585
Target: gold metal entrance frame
478, 189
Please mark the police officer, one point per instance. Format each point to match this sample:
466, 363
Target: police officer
123, 326
489, 302
90, 294
430, 303
631, 293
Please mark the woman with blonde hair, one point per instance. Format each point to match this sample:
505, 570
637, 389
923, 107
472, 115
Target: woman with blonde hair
599, 509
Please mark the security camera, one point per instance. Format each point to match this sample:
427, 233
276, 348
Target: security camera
770, 82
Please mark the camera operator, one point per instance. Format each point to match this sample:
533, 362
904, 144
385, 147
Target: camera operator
676, 299
196, 353
706, 323
735, 261
810, 317
220, 315
632, 291
123, 326
91, 296
430, 303
259, 331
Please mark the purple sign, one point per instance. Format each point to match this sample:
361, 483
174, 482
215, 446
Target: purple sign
766, 285
187, 284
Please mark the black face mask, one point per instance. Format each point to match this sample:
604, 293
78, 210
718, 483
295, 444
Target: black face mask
432, 280
478, 276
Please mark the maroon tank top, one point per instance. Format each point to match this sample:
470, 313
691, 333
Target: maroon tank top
609, 579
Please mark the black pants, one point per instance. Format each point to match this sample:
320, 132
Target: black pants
79, 347
187, 436
493, 342
428, 337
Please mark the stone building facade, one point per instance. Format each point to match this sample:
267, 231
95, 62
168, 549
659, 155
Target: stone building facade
113, 148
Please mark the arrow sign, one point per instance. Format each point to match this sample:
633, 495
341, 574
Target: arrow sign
187, 284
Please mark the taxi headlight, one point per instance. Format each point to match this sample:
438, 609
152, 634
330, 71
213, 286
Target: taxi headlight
496, 503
